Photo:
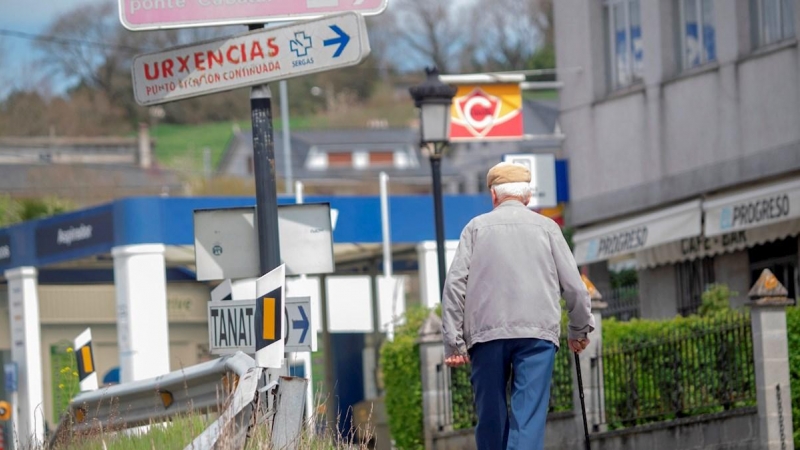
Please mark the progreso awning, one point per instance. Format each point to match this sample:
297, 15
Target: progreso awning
703, 246
638, 233
751, 208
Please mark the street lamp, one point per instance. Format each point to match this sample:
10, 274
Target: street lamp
434, 98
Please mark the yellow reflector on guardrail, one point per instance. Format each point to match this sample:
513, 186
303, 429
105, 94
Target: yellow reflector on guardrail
166, 398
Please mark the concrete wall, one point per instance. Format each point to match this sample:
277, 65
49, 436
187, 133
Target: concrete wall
559, 435
730, 432
678, 134
737, 430
658, 293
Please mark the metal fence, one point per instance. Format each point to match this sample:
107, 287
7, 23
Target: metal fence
456, 401
623, 303
701, 367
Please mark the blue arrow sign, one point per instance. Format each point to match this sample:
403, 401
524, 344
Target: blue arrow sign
341, 40
301, 324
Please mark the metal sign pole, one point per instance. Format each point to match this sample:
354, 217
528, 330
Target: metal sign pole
269, 256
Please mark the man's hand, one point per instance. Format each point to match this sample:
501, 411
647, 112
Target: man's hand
578, 345
456, 360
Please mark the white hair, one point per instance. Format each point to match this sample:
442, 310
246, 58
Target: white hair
519, 190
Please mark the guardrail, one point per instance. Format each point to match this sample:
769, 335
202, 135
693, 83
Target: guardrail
245, 396
201, 388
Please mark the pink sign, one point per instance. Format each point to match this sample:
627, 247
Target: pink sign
158, 14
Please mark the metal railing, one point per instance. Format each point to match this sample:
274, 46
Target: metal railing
456, 402
244, 396
623, 303
200, 388
706, 367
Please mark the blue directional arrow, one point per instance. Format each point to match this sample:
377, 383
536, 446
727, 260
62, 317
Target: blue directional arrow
301, 324
341, 40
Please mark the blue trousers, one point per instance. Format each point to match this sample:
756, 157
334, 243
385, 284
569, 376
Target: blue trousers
528, 364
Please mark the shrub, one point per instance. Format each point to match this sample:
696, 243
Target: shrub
793, 334
715, 300
657, 370
403, 383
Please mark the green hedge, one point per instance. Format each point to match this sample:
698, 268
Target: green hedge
662, 370
793, 332
402, 382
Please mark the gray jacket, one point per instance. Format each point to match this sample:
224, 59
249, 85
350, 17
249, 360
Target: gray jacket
506, 280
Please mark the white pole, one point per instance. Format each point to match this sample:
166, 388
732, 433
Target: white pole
307, 357
387, 249
287, 144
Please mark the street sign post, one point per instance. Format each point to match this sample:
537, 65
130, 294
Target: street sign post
250, 59
300, 336
231, 326
137, 15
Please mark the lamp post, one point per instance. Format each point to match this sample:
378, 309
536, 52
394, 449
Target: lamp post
434, 98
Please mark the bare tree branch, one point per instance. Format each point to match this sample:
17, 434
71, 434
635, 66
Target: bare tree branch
429, 32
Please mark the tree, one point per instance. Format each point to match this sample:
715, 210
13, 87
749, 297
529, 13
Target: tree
428, 32
512, 34
89, 48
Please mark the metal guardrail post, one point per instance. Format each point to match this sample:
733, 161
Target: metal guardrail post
289, 412
234, 423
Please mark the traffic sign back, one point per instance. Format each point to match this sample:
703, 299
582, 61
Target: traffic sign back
250, 59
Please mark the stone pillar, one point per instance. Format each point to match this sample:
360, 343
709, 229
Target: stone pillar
23, 307
592, 367
771, 356
140, 279
431, 355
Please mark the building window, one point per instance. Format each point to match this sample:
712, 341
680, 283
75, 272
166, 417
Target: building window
626, 50
781, 258
340, 159
772, 21
693, 278
381, 158
698, 37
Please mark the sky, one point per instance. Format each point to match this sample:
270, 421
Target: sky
27, 16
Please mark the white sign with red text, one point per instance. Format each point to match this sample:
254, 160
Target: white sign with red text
140, 15
251, 59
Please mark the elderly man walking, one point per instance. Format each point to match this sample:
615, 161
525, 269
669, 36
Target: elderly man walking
501, 311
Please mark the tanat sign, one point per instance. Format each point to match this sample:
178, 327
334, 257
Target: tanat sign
486, 112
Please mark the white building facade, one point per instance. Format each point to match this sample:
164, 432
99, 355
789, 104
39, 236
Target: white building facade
682, 120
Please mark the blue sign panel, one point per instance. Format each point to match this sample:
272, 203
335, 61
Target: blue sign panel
75, 234
10, 376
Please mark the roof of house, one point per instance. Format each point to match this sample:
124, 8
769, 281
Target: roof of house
87, 183
339, 139
540, 122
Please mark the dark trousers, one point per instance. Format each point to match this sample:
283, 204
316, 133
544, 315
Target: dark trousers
528, 363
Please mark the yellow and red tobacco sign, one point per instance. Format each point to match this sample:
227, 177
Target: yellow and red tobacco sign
487, 112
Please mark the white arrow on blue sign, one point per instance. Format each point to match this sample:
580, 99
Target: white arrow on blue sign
300, 336
250, 59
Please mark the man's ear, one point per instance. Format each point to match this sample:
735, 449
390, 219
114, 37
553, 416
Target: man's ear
494, 196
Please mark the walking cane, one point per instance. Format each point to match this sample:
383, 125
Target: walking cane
583, 404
